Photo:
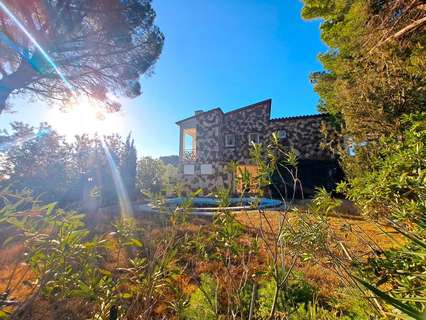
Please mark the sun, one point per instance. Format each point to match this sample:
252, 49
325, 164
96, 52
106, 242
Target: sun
82, 117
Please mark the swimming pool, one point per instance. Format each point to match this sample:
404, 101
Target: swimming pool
213, 204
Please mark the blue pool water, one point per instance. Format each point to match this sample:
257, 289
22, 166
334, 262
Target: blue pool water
206, 202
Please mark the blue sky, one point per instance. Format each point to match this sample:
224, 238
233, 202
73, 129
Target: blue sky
217, 53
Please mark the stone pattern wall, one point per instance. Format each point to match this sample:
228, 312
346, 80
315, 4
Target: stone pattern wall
209, 139
240, 123
304, 135
207, 183
209, 143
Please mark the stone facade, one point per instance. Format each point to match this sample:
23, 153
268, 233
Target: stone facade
223, 137
304, 134
240, 123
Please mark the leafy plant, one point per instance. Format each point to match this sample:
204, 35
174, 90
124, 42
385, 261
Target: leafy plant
203, 303
324, 203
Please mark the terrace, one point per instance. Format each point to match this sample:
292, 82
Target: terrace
188, 140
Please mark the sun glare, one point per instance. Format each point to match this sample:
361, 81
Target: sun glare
84, 117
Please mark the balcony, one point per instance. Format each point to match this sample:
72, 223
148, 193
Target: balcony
188, 144
189, 155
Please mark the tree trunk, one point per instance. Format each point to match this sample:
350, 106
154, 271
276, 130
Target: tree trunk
4, 94
19, 79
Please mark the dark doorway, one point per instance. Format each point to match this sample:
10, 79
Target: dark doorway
312, 174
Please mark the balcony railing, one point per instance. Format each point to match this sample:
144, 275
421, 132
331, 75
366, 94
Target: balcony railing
189, 155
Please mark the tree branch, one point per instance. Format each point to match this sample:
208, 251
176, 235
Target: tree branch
411, 27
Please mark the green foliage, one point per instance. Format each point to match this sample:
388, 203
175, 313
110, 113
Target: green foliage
232, 168
395, 189
296, 293
127, 45
396, 181
64, 259
41, 160
276, 165
203, 303
324, 203
154, 176
401, 273
371, 77
398, 304
223, 197
374, 87
36, 160
149, 174
169, 179
228, 231
299, 301
265, 298
349, 305
313, 311
307, 234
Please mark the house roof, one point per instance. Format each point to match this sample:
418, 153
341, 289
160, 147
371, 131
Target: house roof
191, 117
267, 101
307, 116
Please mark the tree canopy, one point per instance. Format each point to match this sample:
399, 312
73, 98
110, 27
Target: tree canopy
374, 84
375, 68
101, 47
77, 172
154, 175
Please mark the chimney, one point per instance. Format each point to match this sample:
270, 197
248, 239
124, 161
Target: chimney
197, 112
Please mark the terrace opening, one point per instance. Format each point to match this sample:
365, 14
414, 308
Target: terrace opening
188, 148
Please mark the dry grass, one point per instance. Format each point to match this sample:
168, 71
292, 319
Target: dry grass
15, 276
359, 236
353, 232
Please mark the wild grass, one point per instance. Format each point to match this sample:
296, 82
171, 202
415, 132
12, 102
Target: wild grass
228, 272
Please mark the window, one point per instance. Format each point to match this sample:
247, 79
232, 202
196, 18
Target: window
189, 169
230, 140
253, 138
206, 169
296, 152
352, 146
282, 134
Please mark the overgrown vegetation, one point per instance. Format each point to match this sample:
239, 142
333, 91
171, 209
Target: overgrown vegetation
174, 266
70, 173
78, 173
154, 176
374, 86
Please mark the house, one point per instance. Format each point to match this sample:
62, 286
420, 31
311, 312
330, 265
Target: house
209, 140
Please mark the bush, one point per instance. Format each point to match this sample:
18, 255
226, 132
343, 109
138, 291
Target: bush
203, 302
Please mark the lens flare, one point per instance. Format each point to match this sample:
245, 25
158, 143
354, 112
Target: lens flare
126, 209
37, 45
123, 198
84, 116
18, 141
